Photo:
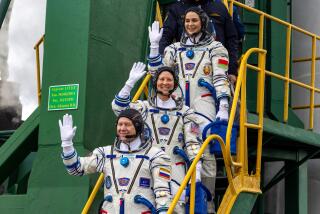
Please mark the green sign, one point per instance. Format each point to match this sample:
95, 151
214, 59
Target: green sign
62, 97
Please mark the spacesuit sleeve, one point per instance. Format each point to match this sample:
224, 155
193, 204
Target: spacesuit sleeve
79, 166
167, 60
192, 134
160, 166
220, 62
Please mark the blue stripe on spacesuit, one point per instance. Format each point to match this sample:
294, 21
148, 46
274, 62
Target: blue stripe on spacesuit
158, 111
111, 156
154, 64
155, 61
154, 110
122, 102
142, 156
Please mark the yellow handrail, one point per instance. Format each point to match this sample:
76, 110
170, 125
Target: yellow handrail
304, 59
241, 83
225, 148
305, 106
36, 47
191, 172
286, 78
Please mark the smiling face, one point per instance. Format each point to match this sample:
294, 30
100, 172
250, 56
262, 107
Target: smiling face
125, 128
192, 23
165, 83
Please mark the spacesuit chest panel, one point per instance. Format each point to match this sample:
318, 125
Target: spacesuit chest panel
191, 70
167, 133
198, 64
129, 174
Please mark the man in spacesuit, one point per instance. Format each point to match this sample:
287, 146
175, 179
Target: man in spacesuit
199, 58
137, 175
173, 125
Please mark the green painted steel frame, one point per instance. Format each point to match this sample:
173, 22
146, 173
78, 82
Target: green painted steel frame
19, 145
4, 5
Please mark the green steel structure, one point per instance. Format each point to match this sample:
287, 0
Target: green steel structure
93, 44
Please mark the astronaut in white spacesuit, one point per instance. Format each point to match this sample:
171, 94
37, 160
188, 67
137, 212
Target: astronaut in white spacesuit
173, 125
199, 58
137, 175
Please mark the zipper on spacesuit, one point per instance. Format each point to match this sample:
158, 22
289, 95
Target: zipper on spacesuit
121, 201
187, 90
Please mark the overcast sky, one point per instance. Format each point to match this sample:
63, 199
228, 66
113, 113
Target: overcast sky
25, 29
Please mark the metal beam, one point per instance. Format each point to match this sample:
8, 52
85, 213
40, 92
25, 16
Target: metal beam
285, 172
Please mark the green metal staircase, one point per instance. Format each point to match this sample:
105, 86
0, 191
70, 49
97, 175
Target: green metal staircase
93, 44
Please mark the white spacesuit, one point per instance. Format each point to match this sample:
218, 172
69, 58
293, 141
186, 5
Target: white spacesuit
173, 126
132, 171
208, 61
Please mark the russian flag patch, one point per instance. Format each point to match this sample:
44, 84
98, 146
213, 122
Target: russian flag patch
164, 173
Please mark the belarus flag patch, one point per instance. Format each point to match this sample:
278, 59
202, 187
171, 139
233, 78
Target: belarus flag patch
222, 63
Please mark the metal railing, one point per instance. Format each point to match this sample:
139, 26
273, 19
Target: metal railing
242, 155
290, 27
38, 72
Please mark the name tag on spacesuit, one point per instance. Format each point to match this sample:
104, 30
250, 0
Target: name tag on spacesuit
123, 181
164, 130
189, 66
144, 182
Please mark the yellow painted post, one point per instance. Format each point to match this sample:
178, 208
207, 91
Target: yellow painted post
141, 88
225, 2
243, 107
93, 194
261, 64
313, 71
231, 8
38, 75
193, 191
158, 15
287, 70
261, 29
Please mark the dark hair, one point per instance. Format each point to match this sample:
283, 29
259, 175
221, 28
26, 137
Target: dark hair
202, 14
171, 71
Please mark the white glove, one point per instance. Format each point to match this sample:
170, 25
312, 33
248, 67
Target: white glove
155, 34
163, 212
67, 131
137, 71
223, 113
